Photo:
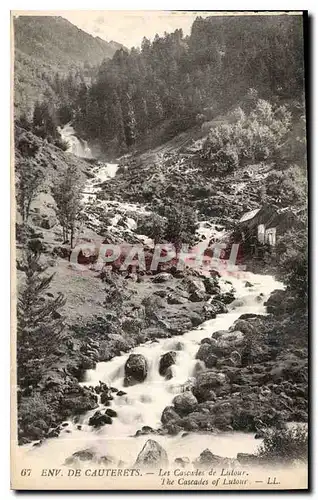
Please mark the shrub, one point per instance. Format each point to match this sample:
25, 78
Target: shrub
285, 445
61, 144
256, 136
287, 187
181, 224
154, 227
227, 158
292, 260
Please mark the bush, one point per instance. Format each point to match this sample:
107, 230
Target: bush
292, 257
285, 445
287, 187
256, 136
154, 227
181, 224
227, 158
60, 143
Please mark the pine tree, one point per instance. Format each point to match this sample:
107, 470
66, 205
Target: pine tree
40, 326
130, 122
44, 119
117, 121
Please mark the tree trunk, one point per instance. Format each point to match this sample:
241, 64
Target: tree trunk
72, 235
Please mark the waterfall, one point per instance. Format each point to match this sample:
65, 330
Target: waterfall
143, 403
76, 146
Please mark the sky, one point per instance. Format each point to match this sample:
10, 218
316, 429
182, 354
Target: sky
129, 27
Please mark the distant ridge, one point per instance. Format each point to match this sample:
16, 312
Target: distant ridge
58, 42
45, 45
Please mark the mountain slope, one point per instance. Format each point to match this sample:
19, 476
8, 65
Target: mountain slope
57, 42
45, 45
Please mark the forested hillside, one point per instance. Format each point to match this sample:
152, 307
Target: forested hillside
176, 82
163, 88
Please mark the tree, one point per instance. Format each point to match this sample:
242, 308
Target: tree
40, 326
181, 225
44, 119
256, 136
130, 122
292, 262
29, 180
66, 191
153, 227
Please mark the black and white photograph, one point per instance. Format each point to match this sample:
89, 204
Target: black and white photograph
159, 190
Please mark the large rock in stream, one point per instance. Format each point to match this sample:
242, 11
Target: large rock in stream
168, 359
136, 368
185, 403
208, 382
152, 455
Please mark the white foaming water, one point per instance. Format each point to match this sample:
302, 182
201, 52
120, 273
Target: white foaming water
76, 146
143, 404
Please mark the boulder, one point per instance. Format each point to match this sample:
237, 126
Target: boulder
105, 396
162, 277
146, 429
169, 373
208, 459
176, 324
99, 419
198, 367
219, 307
213, 308
135, 369
195, 318
248, 284
185, 403
247, 459
276, 302
208, 340
152, 455
168, 359
208, 381
206, 354
111, 413
161, 293
182, 461
87, 456
43, 220
218, 334
211, 286
173, 298
225, 298
168, 415
197, 296
243, 326
81, 456
194, 285
118, 342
